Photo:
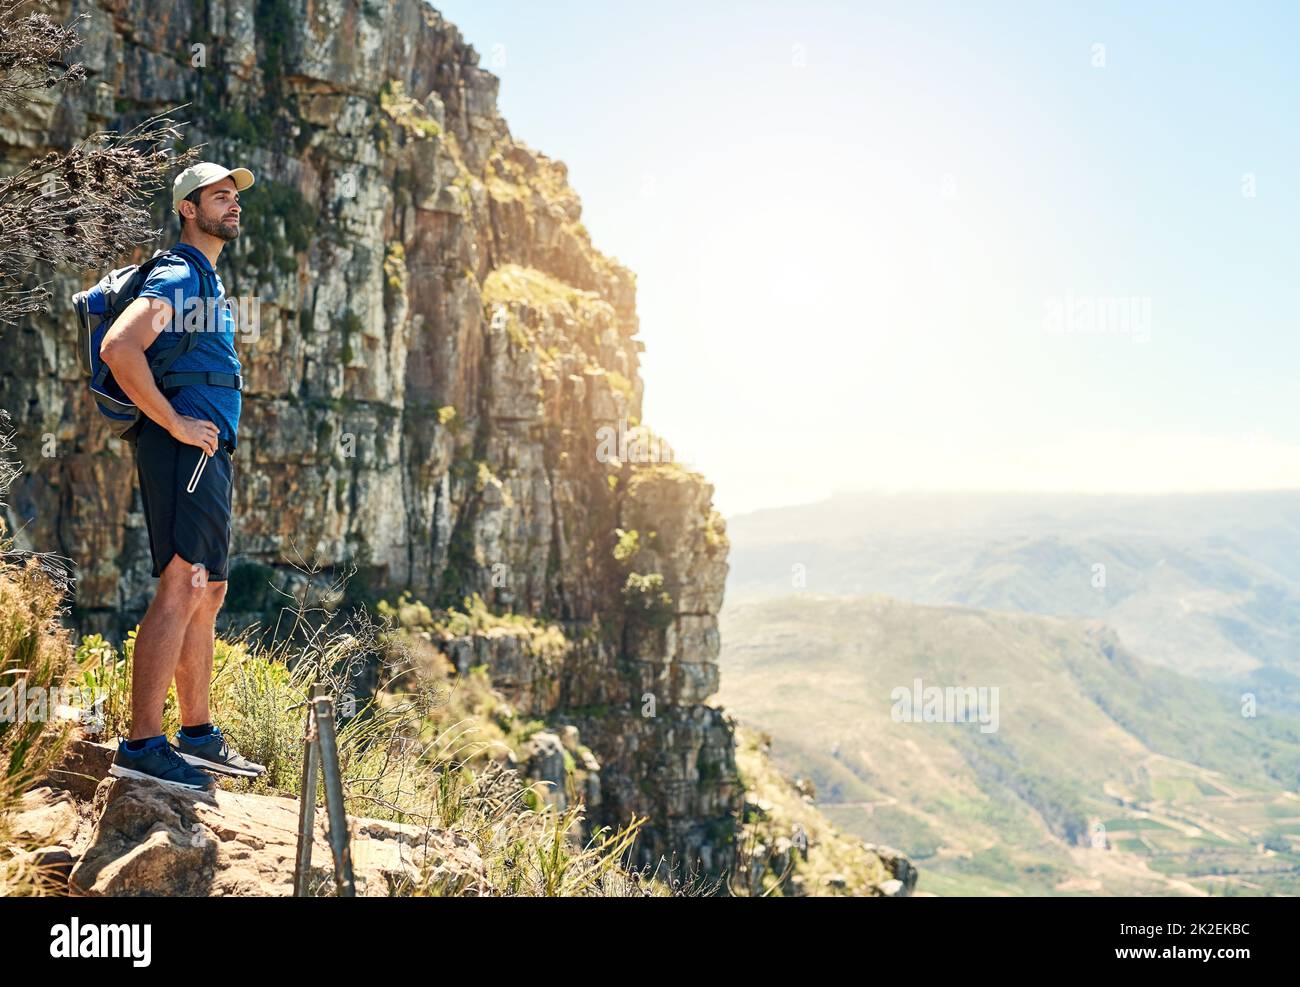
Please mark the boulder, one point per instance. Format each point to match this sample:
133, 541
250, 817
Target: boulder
544, 752
46, 817
155, 840
83, 766
899, 865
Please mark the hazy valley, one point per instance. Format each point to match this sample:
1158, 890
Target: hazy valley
1125, 758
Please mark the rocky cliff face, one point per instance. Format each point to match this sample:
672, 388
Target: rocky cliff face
441, 379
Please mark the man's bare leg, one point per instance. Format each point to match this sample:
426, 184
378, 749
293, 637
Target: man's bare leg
158, 644
194, 670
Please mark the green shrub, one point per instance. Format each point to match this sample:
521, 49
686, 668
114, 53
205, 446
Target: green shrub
646, 600
249, 582
629, 543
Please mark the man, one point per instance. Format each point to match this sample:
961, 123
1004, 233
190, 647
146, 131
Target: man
182, 456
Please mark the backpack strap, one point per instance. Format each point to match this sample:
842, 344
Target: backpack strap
214, 377
189, 339
125, 292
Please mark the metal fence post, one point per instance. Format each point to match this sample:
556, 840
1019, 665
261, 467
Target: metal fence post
320, 756
307, 804
339, 837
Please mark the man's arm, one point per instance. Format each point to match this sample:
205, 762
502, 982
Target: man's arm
123, 350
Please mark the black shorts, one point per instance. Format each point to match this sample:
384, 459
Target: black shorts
192, 524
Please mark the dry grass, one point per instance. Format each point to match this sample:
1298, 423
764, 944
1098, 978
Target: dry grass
35, 660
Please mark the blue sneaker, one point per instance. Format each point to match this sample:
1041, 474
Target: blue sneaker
212, 753
157, 761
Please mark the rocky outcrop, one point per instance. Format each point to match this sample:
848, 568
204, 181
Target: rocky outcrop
790, 846
142, 838
442, 381
50, 829
903, 881
154, 840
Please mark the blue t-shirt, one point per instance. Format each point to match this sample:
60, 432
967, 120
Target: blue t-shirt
177, 283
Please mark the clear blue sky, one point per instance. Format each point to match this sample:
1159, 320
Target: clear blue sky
850, 220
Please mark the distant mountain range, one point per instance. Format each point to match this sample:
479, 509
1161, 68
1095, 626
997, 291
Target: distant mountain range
1146, 658
1205, 584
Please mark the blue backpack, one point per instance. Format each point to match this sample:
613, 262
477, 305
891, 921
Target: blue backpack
98, 307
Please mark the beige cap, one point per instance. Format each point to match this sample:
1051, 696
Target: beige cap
205, 173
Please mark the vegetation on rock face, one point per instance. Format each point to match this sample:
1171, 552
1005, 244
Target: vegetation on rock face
516, 283
349, 326
529, 304
629, 542
257, 117
408, 113
247, 585
275, 23
715, 533
648, 603
278, 224
620, 384
395, 275
546, 641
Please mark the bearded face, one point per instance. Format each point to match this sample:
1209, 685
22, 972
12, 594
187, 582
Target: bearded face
227, 229
218, 212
